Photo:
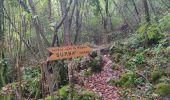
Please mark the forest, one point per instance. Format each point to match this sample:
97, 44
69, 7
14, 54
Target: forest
84, 49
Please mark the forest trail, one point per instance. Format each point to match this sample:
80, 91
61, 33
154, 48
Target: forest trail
98, 82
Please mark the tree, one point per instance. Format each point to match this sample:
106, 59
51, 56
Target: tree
146, 10
136, 10
1, 19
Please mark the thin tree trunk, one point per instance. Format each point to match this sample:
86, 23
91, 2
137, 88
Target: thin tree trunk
1, 19
38, 26
136, 10
49, 10
38, 32
66, 23
147, 18
152, 6
78, 22
146, 10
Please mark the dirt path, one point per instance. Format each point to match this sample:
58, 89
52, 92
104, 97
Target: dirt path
98, 82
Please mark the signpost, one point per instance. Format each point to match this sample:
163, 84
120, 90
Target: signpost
68, 52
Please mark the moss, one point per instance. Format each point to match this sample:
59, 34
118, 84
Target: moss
88, 73
88, 95
128, 64
114, 82
168, 49
163, 79
126, 80
162, 89
157, 73
133, 98
167, 71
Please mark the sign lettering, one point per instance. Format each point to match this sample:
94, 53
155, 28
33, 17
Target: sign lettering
68, 52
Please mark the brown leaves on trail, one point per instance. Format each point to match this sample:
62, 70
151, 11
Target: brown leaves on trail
98, 82
11, 87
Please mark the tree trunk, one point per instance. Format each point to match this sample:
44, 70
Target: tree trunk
78, 22
39, 29
146, 9
1, 19
38, 26
107, 15
105, 39
147, 18
49, 10
136, 10
67, 34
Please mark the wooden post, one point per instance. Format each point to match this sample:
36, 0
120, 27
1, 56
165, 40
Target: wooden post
70, 76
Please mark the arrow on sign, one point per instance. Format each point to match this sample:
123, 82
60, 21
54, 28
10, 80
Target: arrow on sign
68, 52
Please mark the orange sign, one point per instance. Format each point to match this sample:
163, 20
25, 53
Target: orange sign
68, 52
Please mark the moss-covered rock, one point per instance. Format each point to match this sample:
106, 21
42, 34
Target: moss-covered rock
96, 64
127, 79
162, 89
157, 73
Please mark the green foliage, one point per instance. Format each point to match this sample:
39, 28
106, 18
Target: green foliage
64, 92
33, 77
149, 91
81, 95
139, 81
5, 70
139, 58
162, 89
97, 5
135, 41
29, 73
